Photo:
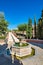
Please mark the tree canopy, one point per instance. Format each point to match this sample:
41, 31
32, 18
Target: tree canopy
40, 27
34, 27
29, 28
22, 27
3, 24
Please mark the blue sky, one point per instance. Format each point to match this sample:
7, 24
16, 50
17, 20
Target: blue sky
18, 11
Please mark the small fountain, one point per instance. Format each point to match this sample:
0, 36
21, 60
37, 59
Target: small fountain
21, 48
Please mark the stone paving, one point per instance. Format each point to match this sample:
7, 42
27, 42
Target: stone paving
35, 60
8, 61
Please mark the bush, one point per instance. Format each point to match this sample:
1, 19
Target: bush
24, 44
2, 37
18, 44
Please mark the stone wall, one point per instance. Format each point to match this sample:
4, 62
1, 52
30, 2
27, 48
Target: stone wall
22, 51
34, 40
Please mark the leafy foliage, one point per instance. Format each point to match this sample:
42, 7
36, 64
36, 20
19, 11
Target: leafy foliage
22, 27
29, 29
40, 27
35, 27
18, 44
3, 24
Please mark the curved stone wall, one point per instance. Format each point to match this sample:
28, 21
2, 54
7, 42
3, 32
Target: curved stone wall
22, 51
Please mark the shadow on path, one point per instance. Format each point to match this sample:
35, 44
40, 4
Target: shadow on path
6, 60
3, 48
37, 44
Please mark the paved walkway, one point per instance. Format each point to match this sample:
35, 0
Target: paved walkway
11, 40
35, 60
8, 61
14, 38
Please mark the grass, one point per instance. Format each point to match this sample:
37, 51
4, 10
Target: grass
32, 54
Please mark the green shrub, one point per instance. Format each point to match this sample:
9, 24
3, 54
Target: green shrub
24, 44
2, 37
18, 44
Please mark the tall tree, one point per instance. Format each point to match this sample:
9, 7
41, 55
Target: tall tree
22, 27
35, 27
29, 29
3, 24
40, 27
